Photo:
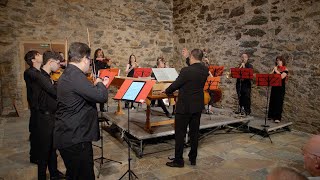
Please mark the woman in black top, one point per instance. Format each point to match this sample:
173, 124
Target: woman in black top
131, 65
100, 62
278, 92
130, 71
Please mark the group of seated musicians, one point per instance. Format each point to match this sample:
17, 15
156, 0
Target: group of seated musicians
243, 91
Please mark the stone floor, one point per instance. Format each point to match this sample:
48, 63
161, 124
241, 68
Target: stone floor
221, 156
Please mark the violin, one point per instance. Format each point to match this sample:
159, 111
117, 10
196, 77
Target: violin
56, 75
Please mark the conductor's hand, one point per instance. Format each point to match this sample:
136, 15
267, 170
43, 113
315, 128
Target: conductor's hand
185, 52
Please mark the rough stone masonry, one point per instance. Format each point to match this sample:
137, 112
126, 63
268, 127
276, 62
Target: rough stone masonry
147, 28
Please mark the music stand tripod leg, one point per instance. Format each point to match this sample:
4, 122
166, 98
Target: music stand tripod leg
102, 158
129, 171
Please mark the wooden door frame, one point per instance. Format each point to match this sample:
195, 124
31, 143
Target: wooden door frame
22, 66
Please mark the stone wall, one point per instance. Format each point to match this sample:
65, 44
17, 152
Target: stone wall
119, 27
264, 29
147, 28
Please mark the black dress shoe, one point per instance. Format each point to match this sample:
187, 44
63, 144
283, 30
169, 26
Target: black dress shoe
175, 164
169, 115
57, 176
193, 162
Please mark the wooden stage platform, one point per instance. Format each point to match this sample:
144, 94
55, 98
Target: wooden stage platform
137, 119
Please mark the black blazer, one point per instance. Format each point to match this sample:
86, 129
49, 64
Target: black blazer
77, 116
190, 83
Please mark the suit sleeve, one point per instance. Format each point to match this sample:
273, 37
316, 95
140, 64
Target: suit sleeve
91, 93
43, 83
178, 83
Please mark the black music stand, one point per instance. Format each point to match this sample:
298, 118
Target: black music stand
267, 80
102, 159
211, 84
241, 73
132, 91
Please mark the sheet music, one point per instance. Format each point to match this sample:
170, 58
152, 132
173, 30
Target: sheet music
165, 74
133, 91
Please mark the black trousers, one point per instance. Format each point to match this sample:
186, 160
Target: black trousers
78, 160
244, 95
161, 104
46, 156
101, 106
126, 104
51, 163
276, 102
32, 127
182, 121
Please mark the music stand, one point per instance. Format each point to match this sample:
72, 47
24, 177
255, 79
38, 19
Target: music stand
102, 158
110, 73
133, 91
268, 80
216, 70
241, 73
212, 83
142, 72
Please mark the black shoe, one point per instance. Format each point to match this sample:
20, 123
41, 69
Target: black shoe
133, 107
237, 112
58, 175
193, 162
169, 115
175, 164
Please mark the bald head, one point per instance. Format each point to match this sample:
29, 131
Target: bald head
313, 144
311, 155
284, 173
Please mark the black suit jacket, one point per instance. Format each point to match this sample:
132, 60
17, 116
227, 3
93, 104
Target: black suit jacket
190, 83
77, 116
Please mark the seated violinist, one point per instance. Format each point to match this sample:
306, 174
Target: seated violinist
161, 64
100, 62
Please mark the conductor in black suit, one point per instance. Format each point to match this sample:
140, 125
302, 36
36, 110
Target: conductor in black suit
190, 83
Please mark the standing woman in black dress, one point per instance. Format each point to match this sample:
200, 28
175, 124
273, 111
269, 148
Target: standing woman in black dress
130, 71
278, 92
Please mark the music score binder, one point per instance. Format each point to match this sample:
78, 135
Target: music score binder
212, 83
136, 91
108, 73
216, 70
242, 73
142, 72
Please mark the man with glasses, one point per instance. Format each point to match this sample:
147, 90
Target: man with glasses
311, 154
46, 108
77, 125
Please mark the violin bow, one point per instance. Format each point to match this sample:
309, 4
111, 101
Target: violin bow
93, 65
66, 51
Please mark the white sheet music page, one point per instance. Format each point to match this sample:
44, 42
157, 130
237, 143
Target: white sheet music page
165, 74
